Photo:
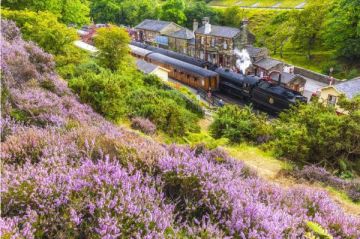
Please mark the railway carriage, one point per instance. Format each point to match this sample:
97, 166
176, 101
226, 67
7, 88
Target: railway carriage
186, 73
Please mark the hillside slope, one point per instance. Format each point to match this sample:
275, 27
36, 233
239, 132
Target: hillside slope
69, 173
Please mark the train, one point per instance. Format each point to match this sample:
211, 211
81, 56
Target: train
261, 92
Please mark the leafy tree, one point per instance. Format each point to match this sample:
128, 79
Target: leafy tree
128, 12
54, 37
278, 32
105, 10
240, 125
343, 28
308, 25
198, 10
232, 16
173, 10
69, 11
105, 91
133, 12
112, 43
315, 133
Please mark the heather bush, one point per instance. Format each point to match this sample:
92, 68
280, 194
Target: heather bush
319, 174
88, 199
144, 125
242, 204
240, 125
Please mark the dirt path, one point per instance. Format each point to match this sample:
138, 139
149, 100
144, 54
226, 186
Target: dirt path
270, 169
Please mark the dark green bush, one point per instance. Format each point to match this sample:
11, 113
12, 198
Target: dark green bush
128, 93
164, 108
314, 133
240, 125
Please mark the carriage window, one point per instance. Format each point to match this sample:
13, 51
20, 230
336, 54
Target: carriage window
264, 85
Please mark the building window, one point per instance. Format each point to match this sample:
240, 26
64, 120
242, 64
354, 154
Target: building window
225, 45
213, 42
202, 40
201, 55
331, 100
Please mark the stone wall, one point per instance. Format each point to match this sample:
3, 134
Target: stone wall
313, 75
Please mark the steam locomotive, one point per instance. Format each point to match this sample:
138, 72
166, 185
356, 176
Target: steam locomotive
263, 93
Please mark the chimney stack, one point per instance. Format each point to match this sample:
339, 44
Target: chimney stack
207, 25
245, 23
195, 25
244, 33
205, 20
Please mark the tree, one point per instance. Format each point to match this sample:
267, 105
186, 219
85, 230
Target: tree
54, 37
343, 28
128, 12
314, 133
69, 11
105, 10
113, 45
278, 32
134, 12
232, 16
308, 25
198, 10
173, 10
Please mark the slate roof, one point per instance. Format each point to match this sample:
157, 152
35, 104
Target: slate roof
176, 55
138, 50
153, 25
350, 88
220, 31
145, 67
267, 63
285, 77
85, 46
182, 65
183, 34
253, 51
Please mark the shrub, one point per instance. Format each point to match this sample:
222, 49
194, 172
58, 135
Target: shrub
240, 124
315, 133
144, 125
169, 115
318, 174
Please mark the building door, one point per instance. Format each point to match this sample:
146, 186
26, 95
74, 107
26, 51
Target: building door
221, 60
141, 36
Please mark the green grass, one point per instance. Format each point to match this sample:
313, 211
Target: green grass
261, 3
320, 62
